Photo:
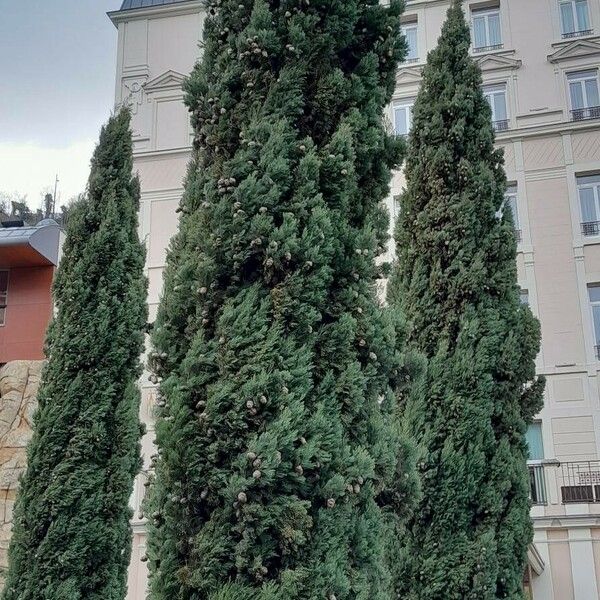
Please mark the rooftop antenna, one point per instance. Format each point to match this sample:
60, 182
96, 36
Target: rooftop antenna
54, 197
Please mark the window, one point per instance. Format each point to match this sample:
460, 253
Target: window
496, 96
403, 116
537, 480
594, 295
410, 31
511, 201
588, 189
524, 296
574, 18
487, 33
3, 295
583, 91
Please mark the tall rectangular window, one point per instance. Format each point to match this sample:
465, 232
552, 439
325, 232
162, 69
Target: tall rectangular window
537, 479
524, 296
487, 32
583, 92
594, 295
511, 202
3, 296
588, 189
496, 96
574, 18
410, 31
403, 116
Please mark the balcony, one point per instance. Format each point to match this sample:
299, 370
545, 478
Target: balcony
481, 49
518, 236
575, 34
585, 114
502, 125
580, 482
597, 352
590, 228
411, 61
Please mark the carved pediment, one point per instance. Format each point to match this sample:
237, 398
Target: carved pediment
576, 49
170, 80
406, 75
497, 62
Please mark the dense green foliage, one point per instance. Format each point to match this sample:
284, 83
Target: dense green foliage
276, 446
456, 282
72, 537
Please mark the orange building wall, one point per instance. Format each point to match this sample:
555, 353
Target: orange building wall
28, 312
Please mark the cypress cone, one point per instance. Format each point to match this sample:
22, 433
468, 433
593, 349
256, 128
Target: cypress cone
71, 535
278, 425
456, 282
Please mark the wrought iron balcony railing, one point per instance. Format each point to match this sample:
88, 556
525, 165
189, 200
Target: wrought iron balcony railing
575, 34
411, 61
580, 482
479, 49
590, 228
518, 235
502, 125
597, 352
585, 114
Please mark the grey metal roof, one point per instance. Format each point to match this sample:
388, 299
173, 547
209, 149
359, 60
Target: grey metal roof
130, 4
43, 238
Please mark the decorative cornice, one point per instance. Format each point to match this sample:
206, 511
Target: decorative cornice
169, 80
412, 74
576, 49
497, 62
183, 8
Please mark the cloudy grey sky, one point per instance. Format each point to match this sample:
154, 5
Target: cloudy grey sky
57, 73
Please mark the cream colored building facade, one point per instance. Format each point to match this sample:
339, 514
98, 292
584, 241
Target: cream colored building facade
540, 61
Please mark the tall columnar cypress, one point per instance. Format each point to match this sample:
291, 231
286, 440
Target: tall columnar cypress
273, 354
71, 537
456, 282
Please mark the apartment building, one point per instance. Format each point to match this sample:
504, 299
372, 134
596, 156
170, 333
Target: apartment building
540, 61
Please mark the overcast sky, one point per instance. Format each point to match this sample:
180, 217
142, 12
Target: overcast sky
57, 74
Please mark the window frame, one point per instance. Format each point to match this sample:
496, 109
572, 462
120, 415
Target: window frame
485, 14
578, 31
490, 91
407, 104
411, 25
594, 304
580, 77
4, 305
589, 228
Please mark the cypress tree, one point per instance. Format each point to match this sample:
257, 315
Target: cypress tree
273, 356
71, 537
456, 282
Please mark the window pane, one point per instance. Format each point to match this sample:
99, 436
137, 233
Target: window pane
566, 17
401, 120
588, 205
2, 315
500, 107
411, 39
495, 33
576, 95
594, 292
524, 297
591, 92
3, 281
535, 441
583, 19
596, 316
512, 203
479, 37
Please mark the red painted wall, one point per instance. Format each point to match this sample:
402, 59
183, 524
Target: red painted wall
28, 312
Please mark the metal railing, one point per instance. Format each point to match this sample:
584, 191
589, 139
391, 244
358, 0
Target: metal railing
411, 61
590, 228
597, 352
585, 114
518, 236
580, 482
480, 49
575, 34
502, 125
537, 485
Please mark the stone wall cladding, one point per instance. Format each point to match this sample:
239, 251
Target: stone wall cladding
19, 382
